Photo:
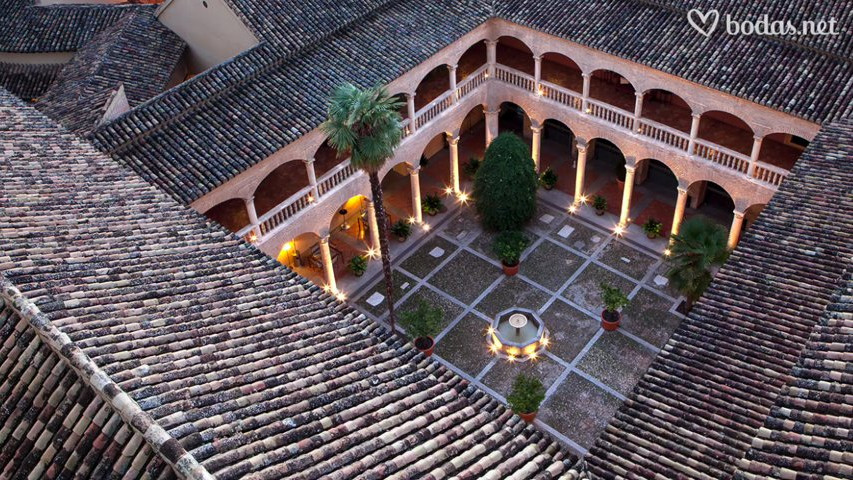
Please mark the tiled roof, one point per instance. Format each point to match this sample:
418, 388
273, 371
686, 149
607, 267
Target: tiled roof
197, 136
28, 28
203, 133
253, 370
808, 76
28, 81
764, 358
136, 52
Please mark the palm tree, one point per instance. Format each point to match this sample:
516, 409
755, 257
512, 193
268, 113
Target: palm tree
366, 125
699, 246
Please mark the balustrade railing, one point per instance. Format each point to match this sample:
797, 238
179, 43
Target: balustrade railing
664, 134
270, 221
721, 156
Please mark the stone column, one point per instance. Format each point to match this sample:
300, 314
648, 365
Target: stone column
454, 95
492, 127
586, 82
537, 72
453, 142
253, 216
491, 56
328, 266
694, 132
638, 110
373, 224
680, 205
626, 195
753, 158
734, 232
414, 178
537, 144
410, 104
580, 171
312, 178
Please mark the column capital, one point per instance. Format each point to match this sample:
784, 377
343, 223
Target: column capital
410, 95
308, 161
586, 74
452, 138
696, 116
324, 236
249, 199
413, 170
738, 213
452, 67
491, 112
681, 190
490, 42
757, 138
639, 94
630, 169
536, 128
581, 144
537, 58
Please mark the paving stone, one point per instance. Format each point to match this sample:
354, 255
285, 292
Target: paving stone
569, 328
666, 288
501, 376
484, 243
545, 220
421, 263
512, 292
466, 277
648, 317
579, 409
626, 259
434, 299
580, 237
617, 361
465, 345
464, 226
398, 278
550, 265
585, 290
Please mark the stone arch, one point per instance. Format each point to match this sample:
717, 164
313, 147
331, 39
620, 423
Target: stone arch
712, 200
613, 88
515, 53
280, 184
325, 159
727, 130
782, 149
470, 60
562, 70
668, 108
432, 86
231, 214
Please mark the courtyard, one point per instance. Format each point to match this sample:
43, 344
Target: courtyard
587, 371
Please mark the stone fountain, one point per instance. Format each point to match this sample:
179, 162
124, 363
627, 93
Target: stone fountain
518, 334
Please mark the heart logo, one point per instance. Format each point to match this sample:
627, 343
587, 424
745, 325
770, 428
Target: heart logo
704, 23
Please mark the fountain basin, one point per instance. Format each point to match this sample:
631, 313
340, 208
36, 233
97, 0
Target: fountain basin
518, 334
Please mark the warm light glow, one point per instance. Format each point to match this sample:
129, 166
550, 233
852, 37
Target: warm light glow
540, 91
253, 237
533, 356
667, 252
490, 331
530, 349
372, 253
486, 75
412, 220
341, 296
425, 227
573, 208
588, 110
448, 191
327, 288
545, 341
584, 200
310, 198
287, 246
493, 348
619, 230
513, 351
510, 357
463, 197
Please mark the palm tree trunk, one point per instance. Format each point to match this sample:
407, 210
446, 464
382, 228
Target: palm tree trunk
381, 220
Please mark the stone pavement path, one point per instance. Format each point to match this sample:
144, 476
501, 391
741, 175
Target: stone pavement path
587, 371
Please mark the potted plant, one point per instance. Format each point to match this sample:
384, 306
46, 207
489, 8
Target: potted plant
599, 203
508, 246
471, 167
526, 396
422, 324
432, 204
358, 265
613, 299
548, 179
652, 228
401, 229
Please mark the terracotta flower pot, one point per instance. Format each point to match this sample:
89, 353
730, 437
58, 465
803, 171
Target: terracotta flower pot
548, 187
425, 344
652, 236
607, 320
401, 239
527, 417
510, 270
599, 212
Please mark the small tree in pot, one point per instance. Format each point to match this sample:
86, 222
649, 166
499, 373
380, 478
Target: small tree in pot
613, 299
548, 179
652, 228
432, 204
358, 265
526, 396
401, 229
599, 203
508, 247
422, 324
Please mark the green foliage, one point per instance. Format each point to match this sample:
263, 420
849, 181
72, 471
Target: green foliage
526, 395
424, 321
509, 246
364, 123
470, 168
506, 183
613, 298
599, 203
358, 264
699, 246
548, 178
652, 227
432, 204
401, 228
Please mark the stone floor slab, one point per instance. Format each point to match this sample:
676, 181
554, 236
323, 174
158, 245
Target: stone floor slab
626, 259
585, 290
617, 361
579, 409
465, 345
421, 263
501, 376
582, 236
512, 292
648, 317
550, 265
466, 277
399, 279
570, 329
434, 299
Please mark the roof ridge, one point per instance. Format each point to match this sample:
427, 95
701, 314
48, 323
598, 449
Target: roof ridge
164, 444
